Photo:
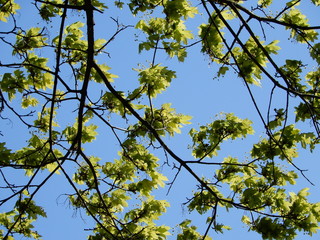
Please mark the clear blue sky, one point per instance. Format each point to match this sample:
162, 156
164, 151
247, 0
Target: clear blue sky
195, 92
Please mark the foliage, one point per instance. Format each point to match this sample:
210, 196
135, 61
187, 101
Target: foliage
57, 83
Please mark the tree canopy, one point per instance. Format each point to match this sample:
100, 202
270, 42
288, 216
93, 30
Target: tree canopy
60, 93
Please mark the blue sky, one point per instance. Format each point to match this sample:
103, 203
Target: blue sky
195, 92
